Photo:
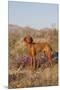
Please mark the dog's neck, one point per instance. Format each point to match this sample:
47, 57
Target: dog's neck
29, 45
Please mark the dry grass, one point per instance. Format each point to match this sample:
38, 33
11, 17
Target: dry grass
39, 77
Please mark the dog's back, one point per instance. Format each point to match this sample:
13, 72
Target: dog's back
38, 47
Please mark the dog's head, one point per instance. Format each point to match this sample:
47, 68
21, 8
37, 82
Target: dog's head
28, 39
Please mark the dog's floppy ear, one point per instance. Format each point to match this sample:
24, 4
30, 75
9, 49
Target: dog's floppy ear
29, 39
24, 39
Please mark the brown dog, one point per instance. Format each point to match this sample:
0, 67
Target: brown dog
34, 48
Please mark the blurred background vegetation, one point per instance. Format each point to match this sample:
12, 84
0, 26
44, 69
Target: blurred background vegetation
16, 46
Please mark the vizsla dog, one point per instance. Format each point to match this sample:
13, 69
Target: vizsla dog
34, 48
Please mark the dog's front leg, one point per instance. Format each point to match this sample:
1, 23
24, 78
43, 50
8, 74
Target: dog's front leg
34, 63
30, 65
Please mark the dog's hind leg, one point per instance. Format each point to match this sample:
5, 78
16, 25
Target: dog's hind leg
47, 52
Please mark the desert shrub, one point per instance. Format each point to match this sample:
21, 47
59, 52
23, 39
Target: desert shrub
22, 61
40, 59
